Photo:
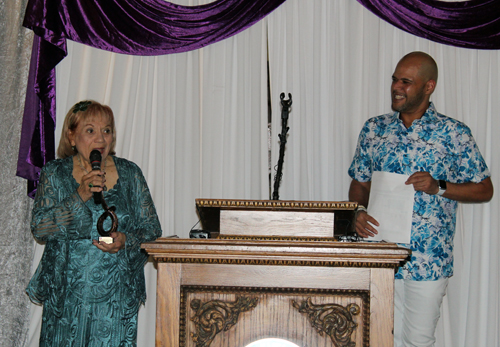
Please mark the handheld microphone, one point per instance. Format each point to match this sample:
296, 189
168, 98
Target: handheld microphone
95, 161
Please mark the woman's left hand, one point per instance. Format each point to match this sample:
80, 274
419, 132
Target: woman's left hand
119, 239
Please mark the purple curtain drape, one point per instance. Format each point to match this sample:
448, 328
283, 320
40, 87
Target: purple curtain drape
138, 27
468, 24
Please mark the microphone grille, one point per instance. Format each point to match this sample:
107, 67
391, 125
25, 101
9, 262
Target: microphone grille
95, 159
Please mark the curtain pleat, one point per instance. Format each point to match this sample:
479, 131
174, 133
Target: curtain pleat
468, 24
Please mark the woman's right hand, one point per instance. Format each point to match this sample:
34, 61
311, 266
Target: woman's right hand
91, 183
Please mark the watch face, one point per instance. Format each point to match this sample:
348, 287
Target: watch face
442, 184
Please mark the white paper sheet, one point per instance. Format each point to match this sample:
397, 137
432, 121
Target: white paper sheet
391, 204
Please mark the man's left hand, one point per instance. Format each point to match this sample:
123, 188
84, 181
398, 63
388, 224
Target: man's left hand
423, 182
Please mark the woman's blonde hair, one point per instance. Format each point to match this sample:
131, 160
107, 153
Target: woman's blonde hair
82, 111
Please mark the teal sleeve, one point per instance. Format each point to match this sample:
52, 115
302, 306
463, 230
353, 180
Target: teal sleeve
57, 215
146, 223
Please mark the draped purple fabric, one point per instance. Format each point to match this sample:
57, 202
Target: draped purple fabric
138, 27
468, 24
37, 135
142, 27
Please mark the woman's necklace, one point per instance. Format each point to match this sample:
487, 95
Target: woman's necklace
86, 171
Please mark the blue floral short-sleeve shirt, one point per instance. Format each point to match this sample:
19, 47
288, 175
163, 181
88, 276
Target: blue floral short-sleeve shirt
437, 144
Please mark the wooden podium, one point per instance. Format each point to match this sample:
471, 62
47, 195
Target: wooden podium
306, 288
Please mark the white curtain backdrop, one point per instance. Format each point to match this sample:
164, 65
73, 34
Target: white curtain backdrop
196, 123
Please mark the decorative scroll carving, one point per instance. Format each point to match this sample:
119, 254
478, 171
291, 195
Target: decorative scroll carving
215, 316
332, 319
190, 292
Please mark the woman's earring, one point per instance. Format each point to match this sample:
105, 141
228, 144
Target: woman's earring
73, 148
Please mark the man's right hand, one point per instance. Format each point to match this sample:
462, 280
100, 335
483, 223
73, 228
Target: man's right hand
363, 228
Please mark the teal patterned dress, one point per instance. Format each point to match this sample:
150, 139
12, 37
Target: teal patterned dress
90, 298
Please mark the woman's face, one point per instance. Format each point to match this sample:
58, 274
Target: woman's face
92, 133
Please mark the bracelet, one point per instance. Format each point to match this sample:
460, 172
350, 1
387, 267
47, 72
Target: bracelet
361, 208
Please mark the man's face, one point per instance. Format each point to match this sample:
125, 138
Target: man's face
408, 88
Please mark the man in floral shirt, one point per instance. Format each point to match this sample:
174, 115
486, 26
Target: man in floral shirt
444, 166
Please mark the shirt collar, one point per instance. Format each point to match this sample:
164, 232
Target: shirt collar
430, 115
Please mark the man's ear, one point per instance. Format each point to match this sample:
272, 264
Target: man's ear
430, 86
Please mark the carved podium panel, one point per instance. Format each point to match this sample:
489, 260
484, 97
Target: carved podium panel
314, 292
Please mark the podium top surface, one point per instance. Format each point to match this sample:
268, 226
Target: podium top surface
302, 253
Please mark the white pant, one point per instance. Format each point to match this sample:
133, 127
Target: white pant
417, 307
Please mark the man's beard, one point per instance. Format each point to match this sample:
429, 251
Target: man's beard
411, 103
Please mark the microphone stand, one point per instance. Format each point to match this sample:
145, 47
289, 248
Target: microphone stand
285, 108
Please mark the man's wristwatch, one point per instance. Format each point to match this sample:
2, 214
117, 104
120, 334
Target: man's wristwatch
442, 187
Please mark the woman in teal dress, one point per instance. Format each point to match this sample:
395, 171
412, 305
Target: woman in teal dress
90, 290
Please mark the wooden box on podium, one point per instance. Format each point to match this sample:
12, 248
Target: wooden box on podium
274, 218
275, 270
